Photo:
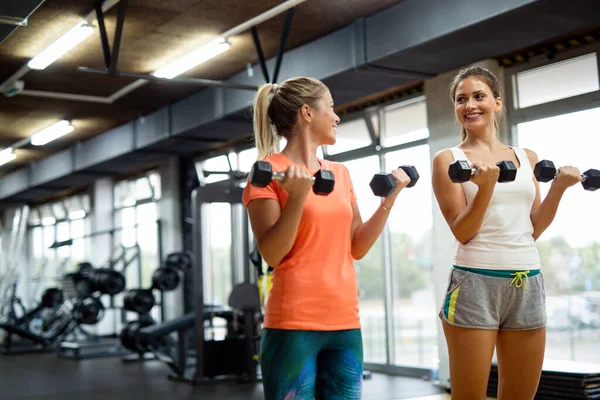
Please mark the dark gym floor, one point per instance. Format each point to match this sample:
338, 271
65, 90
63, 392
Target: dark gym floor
47, 377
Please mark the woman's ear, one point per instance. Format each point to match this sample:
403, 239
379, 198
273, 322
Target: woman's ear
498, 105
305, 113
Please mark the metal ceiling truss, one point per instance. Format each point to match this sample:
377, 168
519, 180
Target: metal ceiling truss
285, 32
111, 59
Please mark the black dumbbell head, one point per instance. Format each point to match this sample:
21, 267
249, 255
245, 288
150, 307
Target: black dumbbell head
88, 311
459, 171
324, 182
592, 180
261, 174
412, 173
52, 297
544, 171
382, 185
508, 171
139, 300
165, 279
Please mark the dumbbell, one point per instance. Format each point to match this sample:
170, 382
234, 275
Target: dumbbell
139, 300
460, 171
383, 185
165, 279
262, 174
88, 311
545, 171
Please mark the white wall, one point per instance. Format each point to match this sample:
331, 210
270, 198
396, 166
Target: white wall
169, 212
100, 246
444, 132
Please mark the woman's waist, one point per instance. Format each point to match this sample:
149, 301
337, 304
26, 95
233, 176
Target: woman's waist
499, 256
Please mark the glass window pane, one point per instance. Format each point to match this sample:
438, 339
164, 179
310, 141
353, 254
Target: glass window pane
34, 217
147, 236
146, 213
246, 159
218, 271
350, 135
233, 160
219, 163
570, 247
404, 123
142, 188
37, 246
155, 182
370, 269
78, 246
64, 252
86, 203
410, 224
58, 210
46, 215
557, 81
123, 195
125, 219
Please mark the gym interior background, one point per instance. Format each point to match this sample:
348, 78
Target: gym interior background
117, 155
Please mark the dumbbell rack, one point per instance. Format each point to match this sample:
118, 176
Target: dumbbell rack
86, 345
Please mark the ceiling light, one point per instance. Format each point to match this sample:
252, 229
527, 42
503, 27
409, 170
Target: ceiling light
62, 45
196, 57
51, 133
7, 155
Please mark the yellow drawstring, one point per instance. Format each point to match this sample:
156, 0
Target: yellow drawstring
518, 279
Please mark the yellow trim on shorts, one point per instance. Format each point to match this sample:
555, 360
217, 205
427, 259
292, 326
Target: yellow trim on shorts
452, 307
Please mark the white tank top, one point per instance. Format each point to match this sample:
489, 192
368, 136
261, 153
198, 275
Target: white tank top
504, 240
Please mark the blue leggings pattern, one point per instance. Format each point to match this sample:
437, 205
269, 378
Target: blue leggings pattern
302, 365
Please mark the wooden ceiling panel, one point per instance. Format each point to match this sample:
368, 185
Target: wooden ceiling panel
155, 33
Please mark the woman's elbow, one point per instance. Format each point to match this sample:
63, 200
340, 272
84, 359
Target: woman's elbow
463, 239
358, 254
272, 260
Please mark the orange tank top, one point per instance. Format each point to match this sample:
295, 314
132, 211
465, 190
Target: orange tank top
315, 286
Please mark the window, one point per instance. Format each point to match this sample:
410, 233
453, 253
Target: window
370, 270
136, 224
130, 192
570, 248
51, 227
405, 122
350, 135
410, 223
217, 265
556, 81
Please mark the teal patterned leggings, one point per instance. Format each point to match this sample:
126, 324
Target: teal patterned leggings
302, 365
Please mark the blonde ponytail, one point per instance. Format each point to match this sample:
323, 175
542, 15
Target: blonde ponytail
274, 118
263, 133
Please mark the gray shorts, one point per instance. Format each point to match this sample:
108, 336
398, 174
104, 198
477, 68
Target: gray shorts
495, 299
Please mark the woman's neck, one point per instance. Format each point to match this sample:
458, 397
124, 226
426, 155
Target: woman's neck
302, 151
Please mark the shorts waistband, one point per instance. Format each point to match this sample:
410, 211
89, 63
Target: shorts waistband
500, 273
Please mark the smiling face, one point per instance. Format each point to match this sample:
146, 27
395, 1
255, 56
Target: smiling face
475, 104
321, 118
325, 120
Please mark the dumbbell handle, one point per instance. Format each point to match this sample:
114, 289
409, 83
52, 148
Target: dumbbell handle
280, 176
583, 176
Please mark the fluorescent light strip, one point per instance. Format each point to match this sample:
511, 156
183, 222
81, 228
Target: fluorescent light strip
62, 45
51, 133
7, 155
193, 59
